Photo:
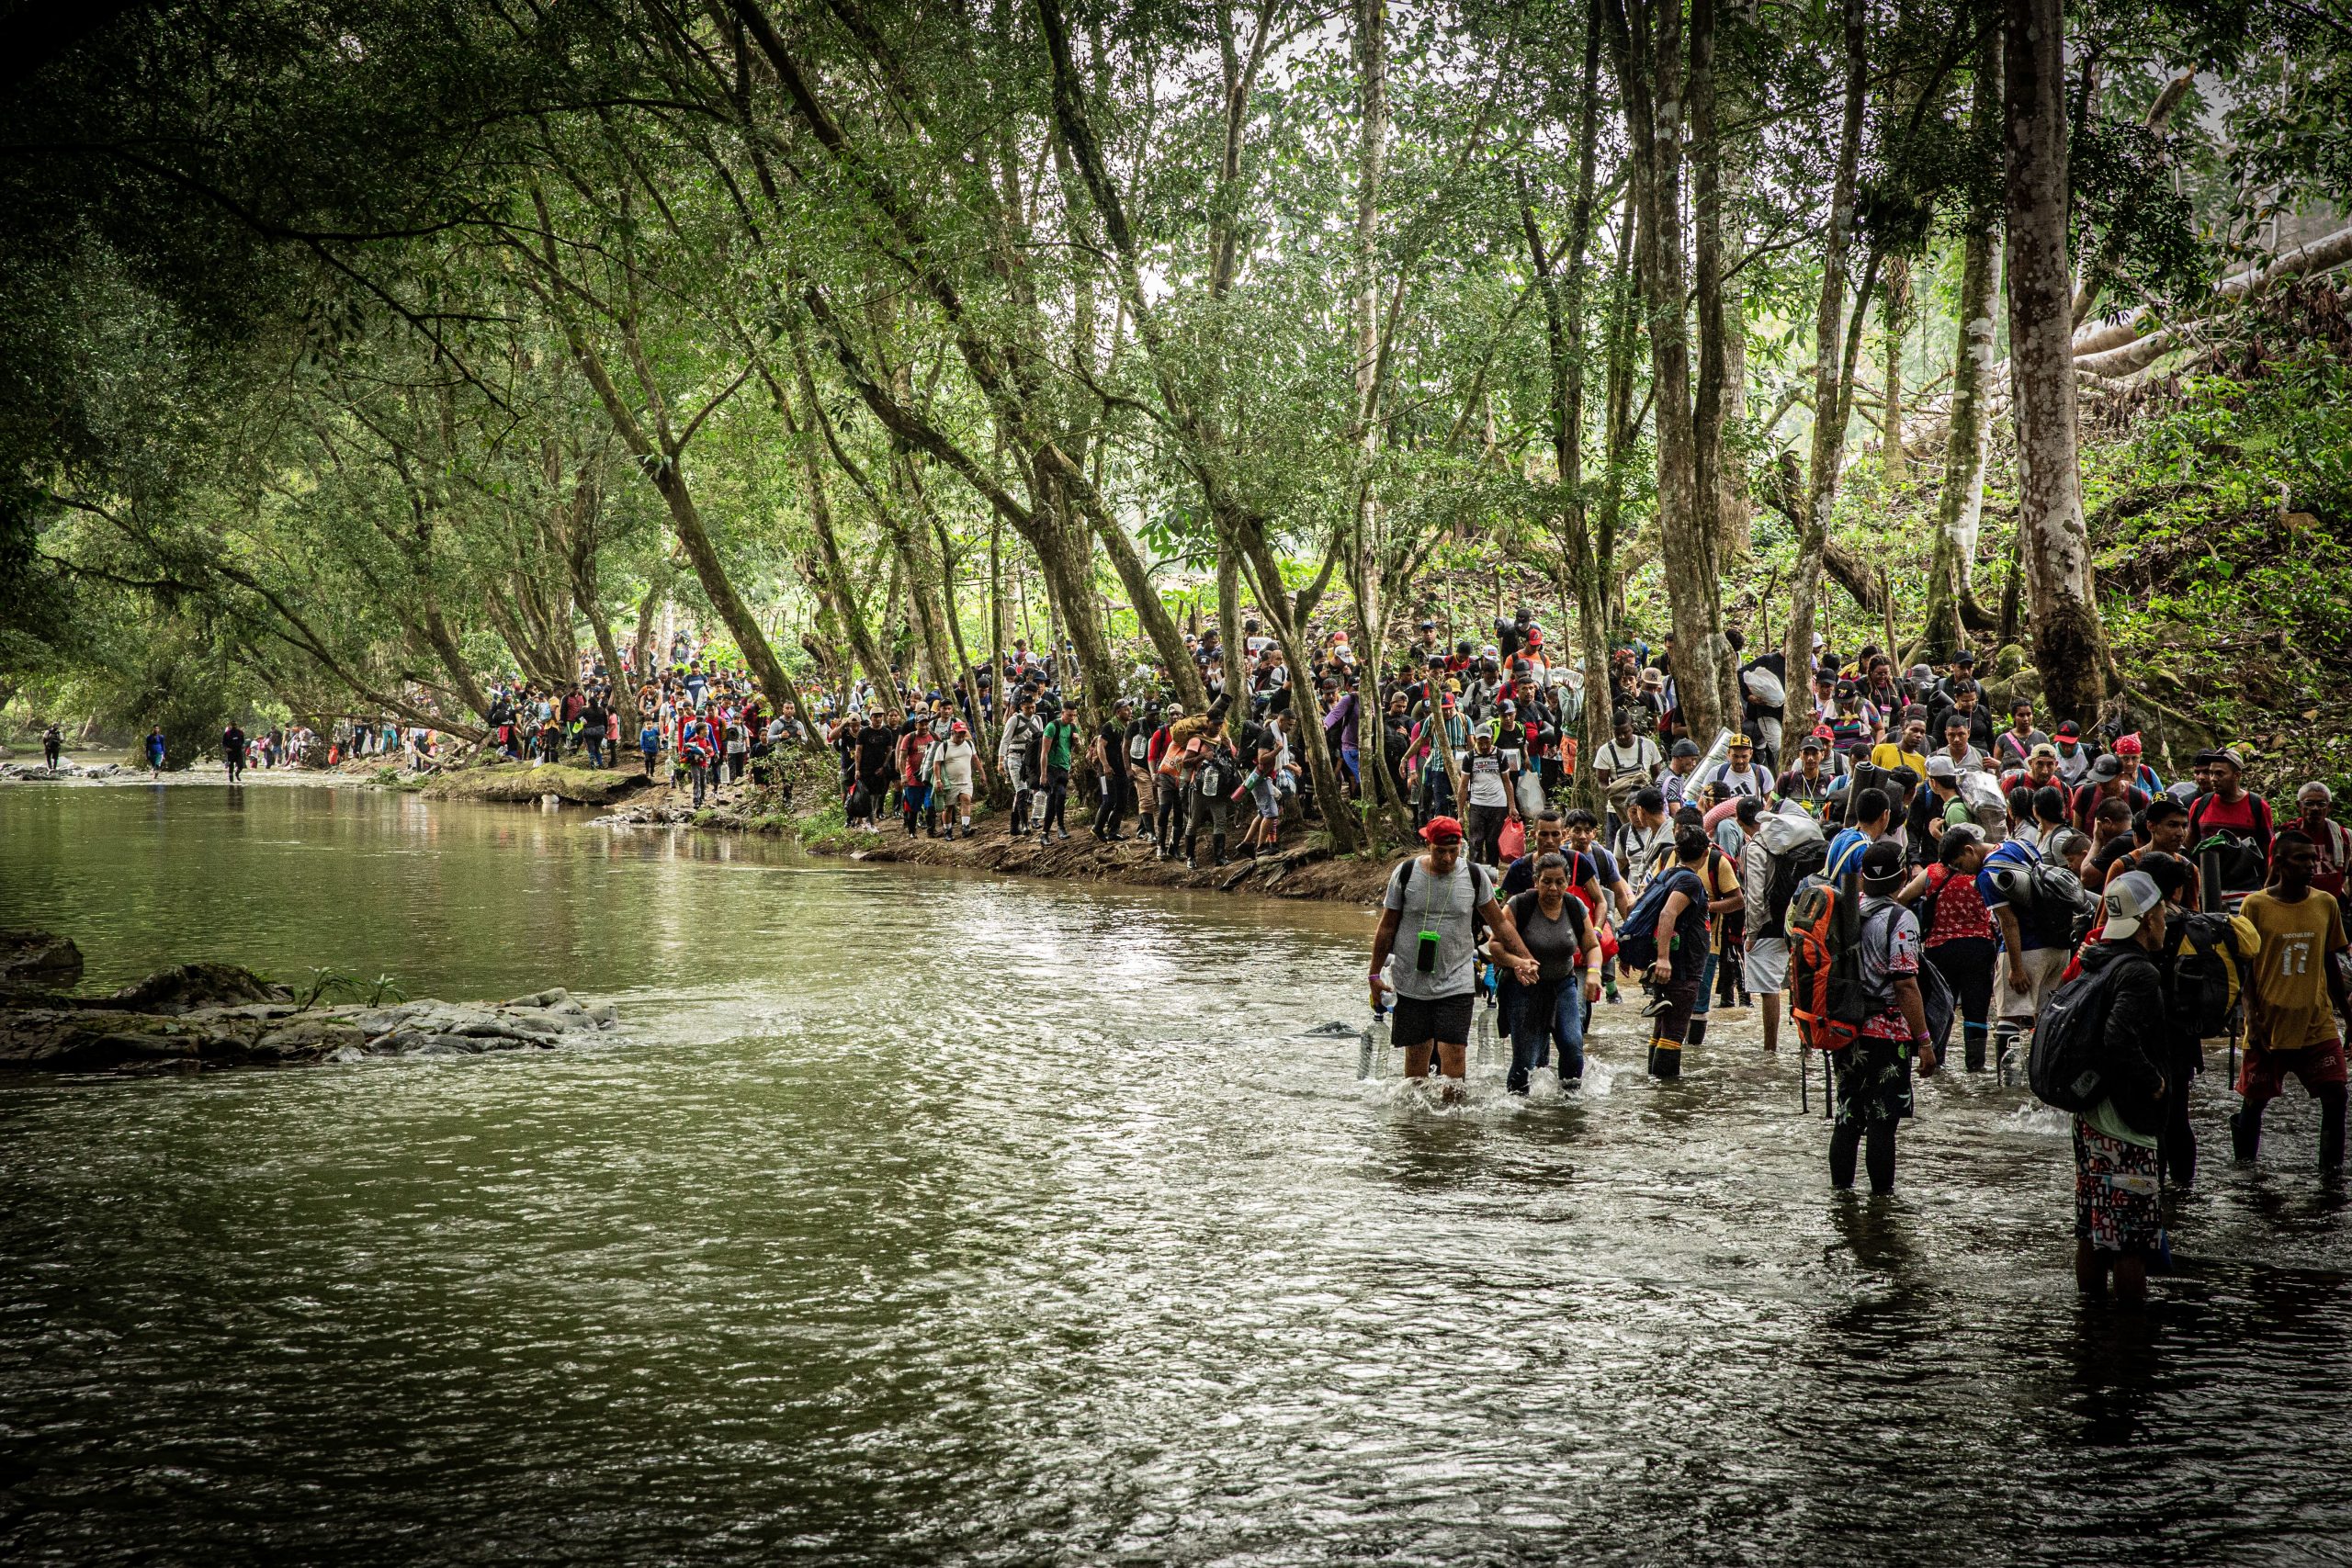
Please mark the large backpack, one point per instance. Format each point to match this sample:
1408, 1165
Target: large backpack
1638, 936
1789, 871
2067, 1066
2052, 905
2212, 961
2230, 864
1827, 997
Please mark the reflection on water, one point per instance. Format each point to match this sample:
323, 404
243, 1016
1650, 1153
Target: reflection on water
926, 1218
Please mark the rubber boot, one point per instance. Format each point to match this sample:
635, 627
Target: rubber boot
1698, 1032
1974, 1036
1666, 1058
2245, 1131
1217, 848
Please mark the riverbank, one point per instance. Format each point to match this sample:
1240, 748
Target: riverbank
1302, 867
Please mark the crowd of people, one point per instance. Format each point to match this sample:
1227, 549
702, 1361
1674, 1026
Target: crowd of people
1889, 859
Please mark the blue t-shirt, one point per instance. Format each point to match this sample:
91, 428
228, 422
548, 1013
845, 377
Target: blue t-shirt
1845, 856
2012, 852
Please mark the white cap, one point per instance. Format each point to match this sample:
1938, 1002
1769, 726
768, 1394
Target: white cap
2127, 902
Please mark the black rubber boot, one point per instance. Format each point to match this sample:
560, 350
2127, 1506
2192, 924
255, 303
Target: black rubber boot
1976, 1039
1698, 1032
1666, 1059
2245, 1132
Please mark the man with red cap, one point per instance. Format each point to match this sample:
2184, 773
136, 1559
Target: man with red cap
1437, 901
951, 761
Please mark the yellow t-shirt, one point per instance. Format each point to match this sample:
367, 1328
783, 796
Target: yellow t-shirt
2289, 1008
1889, 755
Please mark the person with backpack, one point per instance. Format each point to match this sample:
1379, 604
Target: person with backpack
2299, 987
1868, 824
1873, 1069
1624, 766
2105, 782
1614, 895
1437, 901
1957, 932
2329, 837
1665, 937
2036, 939
1058, 746
1784, 846
2239, 819
2094, 1059
1556, 927
1718, 871
1645, 842
1216, 770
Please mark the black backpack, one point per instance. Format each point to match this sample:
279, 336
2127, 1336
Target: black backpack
1789, 872
2209, 974
2067, 1068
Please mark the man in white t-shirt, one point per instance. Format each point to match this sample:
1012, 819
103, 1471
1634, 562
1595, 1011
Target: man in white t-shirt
952, 761
1624, 766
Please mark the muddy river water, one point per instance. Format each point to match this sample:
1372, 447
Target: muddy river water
925, 1219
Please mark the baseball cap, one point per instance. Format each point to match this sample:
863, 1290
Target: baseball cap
2069, 730
1442, 830
1942, 767
1740, 743
1882, 862
2229, 755
2127, 901
1965, 656
958, 728
2044, 750
1810, 743
2107, 768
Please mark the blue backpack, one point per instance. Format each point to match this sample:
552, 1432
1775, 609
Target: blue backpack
1638, 933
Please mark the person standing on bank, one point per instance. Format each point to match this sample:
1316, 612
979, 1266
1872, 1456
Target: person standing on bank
1438, 900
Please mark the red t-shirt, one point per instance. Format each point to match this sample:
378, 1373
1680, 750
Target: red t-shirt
1960, 911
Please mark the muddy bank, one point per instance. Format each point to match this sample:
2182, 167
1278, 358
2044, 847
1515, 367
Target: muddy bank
515, 781
197, 1017
1303, 867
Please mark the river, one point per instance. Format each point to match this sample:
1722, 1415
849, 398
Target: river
928, 1219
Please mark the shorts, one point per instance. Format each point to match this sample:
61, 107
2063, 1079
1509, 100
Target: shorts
2263, 1073
1445, 1019
2115, 1185
1767, 965
2043, 967
1873, 1082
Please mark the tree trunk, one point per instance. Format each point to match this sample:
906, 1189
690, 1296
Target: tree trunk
2069, 645
1895, 303
1646, 41
1952, 608
1828, 374
657, 588
1709, 409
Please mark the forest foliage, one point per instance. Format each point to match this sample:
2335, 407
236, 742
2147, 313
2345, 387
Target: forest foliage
356, 354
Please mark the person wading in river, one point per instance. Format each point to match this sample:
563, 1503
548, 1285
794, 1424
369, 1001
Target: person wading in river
1556, 927
1874, 1072
1438, 900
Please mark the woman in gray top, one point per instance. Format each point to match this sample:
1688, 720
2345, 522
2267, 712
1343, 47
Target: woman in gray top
1558, 931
